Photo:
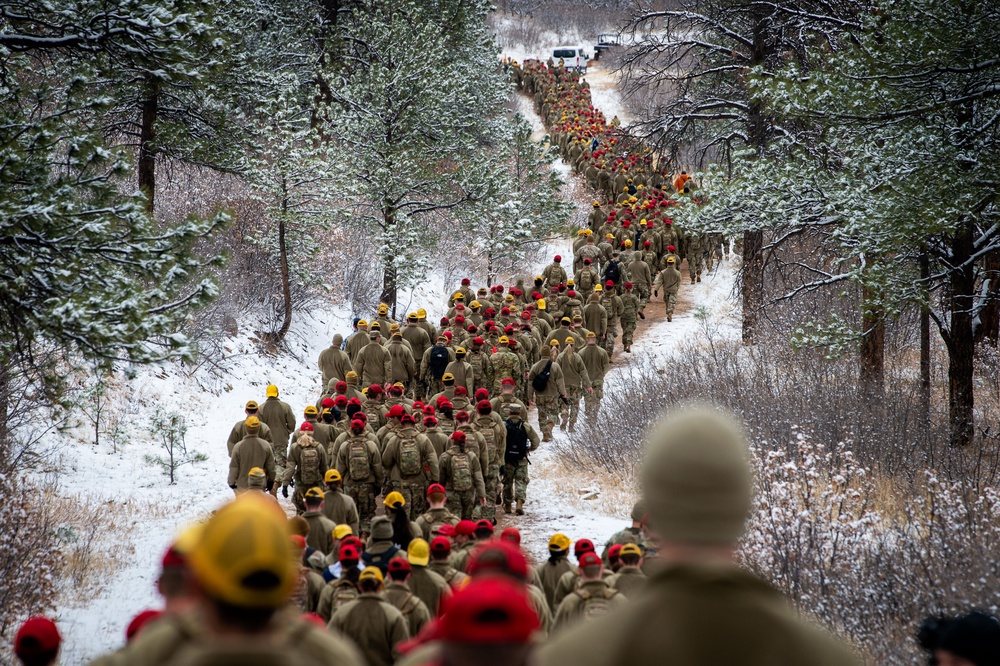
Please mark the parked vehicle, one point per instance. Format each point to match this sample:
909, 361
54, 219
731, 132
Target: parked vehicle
605, 42
573, 57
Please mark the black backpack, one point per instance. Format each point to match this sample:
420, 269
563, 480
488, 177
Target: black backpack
613, 272
517, 443
439, 361
541, 380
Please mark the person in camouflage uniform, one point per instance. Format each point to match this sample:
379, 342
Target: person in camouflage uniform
515, 467
630, 308
695, 256
503, 364
462, 478
577, 382
596, 360
493, 434
410, 461
360, 465
613, 305
555, 390
669, 280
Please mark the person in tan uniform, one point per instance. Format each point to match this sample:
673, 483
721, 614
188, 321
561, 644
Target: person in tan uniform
244, 578
630, 579
250, 452
596, 360
334, 362
398, 593
553, 569
440, 563
239, 429
426, 584
375, 625
280, 418
697, 483
593, 598
373, 363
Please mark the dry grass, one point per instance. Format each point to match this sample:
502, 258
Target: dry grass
98, 540
590, 489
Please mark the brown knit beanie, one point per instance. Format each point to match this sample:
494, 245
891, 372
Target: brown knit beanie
696, 477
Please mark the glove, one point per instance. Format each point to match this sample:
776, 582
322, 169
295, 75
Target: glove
233, 487
284, 491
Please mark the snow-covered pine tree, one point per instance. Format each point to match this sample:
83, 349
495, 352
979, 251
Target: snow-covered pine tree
518, 206
904, 166
406, 108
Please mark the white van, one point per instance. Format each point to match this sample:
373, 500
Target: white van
573, 57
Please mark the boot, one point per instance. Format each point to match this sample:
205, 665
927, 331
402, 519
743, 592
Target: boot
670, 317
520, 507
506, 507
699, 278
641, 316
692, 280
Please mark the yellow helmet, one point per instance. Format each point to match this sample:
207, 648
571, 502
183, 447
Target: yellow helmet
554, 342
447, 377
588, 232
311, 410
540, 303
371, 573
597, 204
315, 492
631, 549
559, 541
331, 476
504, 340
242, 555
460, 351
421, 313
475, 304
671, 260
252, 422
609, 235
383, 309
272, 391
341, 531
598, 288
362, 323
394, 500
628, 242
570, 282
581, 232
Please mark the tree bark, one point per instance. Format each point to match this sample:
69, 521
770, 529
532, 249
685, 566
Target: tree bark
286, 283
147, 137
753, 285
925, 345
989, 317
389, 276
872, 345
961, 339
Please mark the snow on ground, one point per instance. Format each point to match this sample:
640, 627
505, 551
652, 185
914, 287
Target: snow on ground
99, 625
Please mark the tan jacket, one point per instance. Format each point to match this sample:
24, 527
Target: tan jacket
703, 615
429, 586
248, 453
428, 457
549, 574
572, 609
373, 364
334, 363
413, 609
239, 431
404, 368
374, 625
341, 509
595, 359
280, 418
556, 386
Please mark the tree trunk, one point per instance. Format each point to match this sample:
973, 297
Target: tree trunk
925, 345
872, 345
753, 284
147, 136
286, 283
389, 273
989, 317
961, 339
758, 135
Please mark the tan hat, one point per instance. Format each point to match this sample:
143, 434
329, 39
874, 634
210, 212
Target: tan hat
696, 477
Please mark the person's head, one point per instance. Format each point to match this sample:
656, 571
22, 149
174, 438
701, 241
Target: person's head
256, 479
458, 439
399, 570
436, 496
440, 548
381, 529
241, 565
448, 379
370, 580
313, 499
464, 531
251, 408
512, 535
591, 339
418, 553
581, 547
489, 622
298, 525
252, 425
972, 639
559, 545
333, 480
484, 530
507, 386
357, 426
591, 566
697, 484
271, 391
630, 555
37, 642
614, 556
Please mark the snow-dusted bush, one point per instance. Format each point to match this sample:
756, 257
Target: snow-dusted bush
862, 516
29, 554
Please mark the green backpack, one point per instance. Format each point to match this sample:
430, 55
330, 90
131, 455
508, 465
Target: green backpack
461, 472
358, 466
409, 456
